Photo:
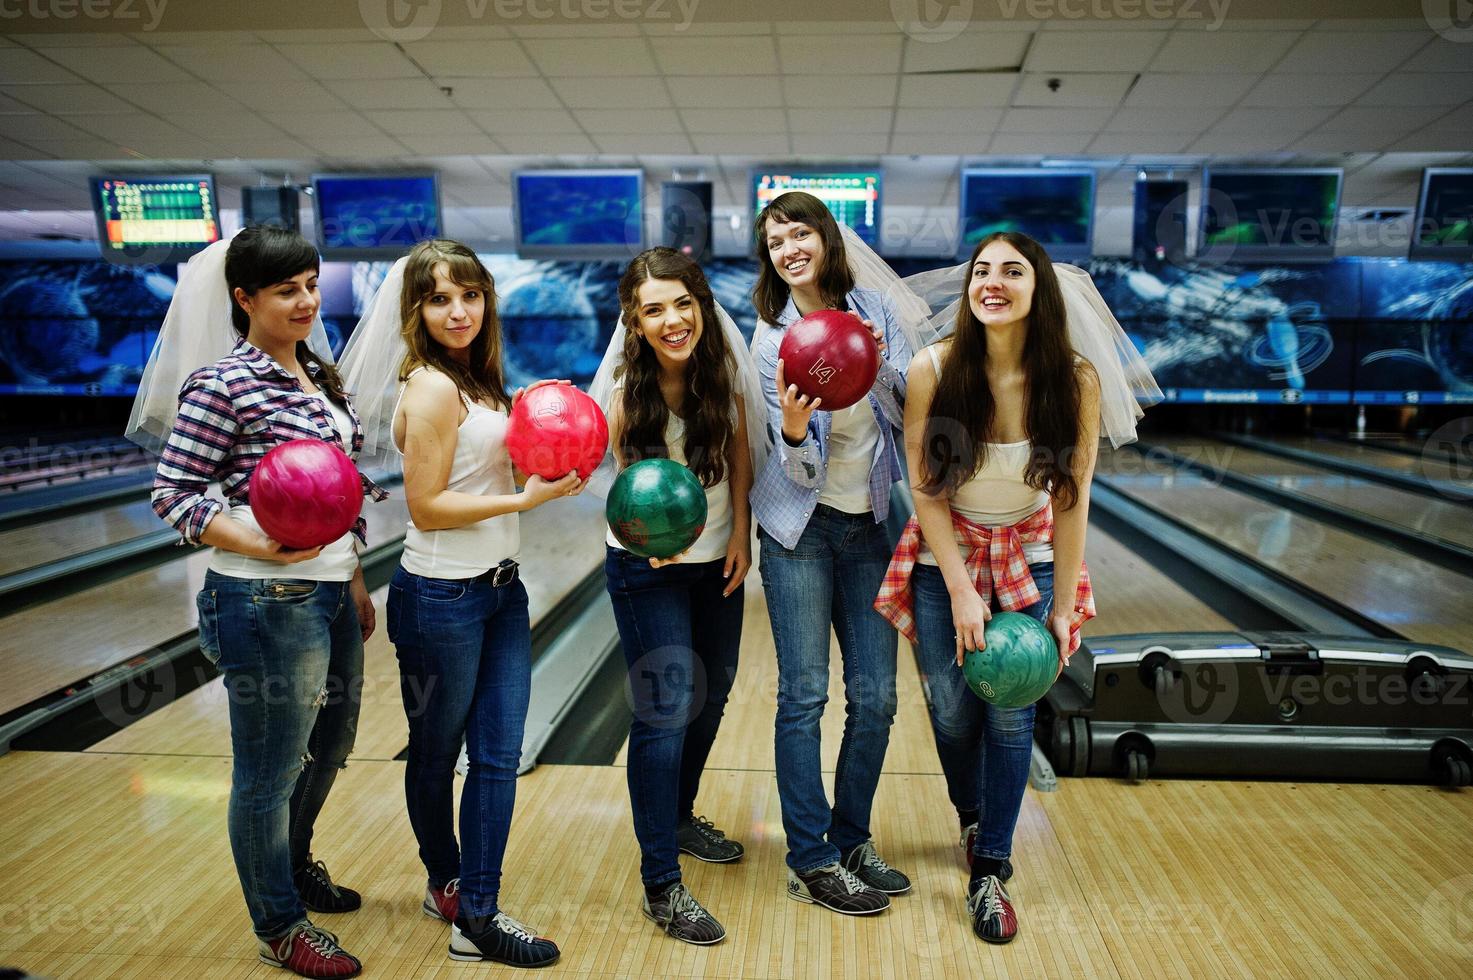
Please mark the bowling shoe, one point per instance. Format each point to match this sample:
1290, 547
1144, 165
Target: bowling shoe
969, 838
682, 917
319, 893
309, 951
837, 889
993, 918
442, 903
865, 864
500, 939
701, 839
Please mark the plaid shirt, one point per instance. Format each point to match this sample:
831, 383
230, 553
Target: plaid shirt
230, 415
994, 558
786, 491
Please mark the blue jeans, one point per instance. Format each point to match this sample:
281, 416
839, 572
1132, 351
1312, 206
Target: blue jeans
465, 674
984, 750
831, 577
681, 638
292, 659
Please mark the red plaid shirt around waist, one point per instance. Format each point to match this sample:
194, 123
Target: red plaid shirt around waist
994, 559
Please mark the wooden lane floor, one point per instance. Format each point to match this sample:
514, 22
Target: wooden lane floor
1430, 466
46, 647
1433, 516
75, 534
561, 543
1422, 601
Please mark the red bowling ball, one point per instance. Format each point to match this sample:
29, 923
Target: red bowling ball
306, 493
830, 354
556, 429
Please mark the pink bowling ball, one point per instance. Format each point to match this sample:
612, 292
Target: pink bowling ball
306, 493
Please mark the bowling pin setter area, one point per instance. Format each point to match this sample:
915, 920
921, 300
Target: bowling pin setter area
393, 274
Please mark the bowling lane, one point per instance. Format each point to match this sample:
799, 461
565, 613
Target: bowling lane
1133, 596
76, 534
1419, 600
1417, 512
1431, 466
561, 543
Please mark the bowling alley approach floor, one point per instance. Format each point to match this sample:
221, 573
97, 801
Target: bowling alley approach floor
115, 864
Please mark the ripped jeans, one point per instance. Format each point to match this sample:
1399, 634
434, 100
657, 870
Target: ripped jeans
292, 658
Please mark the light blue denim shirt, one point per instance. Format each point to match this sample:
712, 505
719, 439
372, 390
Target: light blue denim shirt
786, 491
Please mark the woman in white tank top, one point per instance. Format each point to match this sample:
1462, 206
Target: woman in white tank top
677, 392
1001, 426
457, 612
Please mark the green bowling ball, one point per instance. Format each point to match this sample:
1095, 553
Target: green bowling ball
1019, 664
657, 508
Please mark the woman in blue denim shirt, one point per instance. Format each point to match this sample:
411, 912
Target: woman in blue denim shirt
677, 382
457, 611
820, 504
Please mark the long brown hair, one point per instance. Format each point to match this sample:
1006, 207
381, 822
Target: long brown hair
959, 423
482, 378
264, 255
835, 281
709, 392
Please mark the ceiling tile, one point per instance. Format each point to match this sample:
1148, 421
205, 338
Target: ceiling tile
1122, 51
37, 126
1392, 120
366, 147
471, 59
1223, 51
1353, 51
964, 143
1340, 142
592, 56
316, 126
1442, 55
711, 121
70, 99
636, 121
1159, 89
971, 50
233, 63
1404, 88
761, 144
841, 144
1162, 120
79, 39
503, 93
499, 121
839, 120
408, 93
28, 68
86, 148
544, 143
106, 65
853, 55
403, 123
726, 91
337, 62
241, 131
654, 143
165, 99
1029, 144
1112, 143
1432, 139
611, 93
589, 28
1054, 120
941, 120
1239, 144
840, 91
717, 56
1308, 90
268, 96
962, 91
1276, 120
1081, 90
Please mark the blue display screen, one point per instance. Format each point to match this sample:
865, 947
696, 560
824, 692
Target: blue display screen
1052, 208
388, 214
592, 214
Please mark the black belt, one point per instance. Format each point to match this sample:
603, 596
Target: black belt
503, 574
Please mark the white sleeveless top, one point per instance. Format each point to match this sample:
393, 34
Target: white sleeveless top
335, 563
996, 495
481, 467
853, 437
712, 543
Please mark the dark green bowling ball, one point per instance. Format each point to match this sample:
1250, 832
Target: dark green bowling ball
1018, 666
657, 508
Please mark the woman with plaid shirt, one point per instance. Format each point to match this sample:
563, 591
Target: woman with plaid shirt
286, 627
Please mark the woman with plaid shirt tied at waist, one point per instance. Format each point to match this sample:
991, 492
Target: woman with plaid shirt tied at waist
286, 627
1001, 430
